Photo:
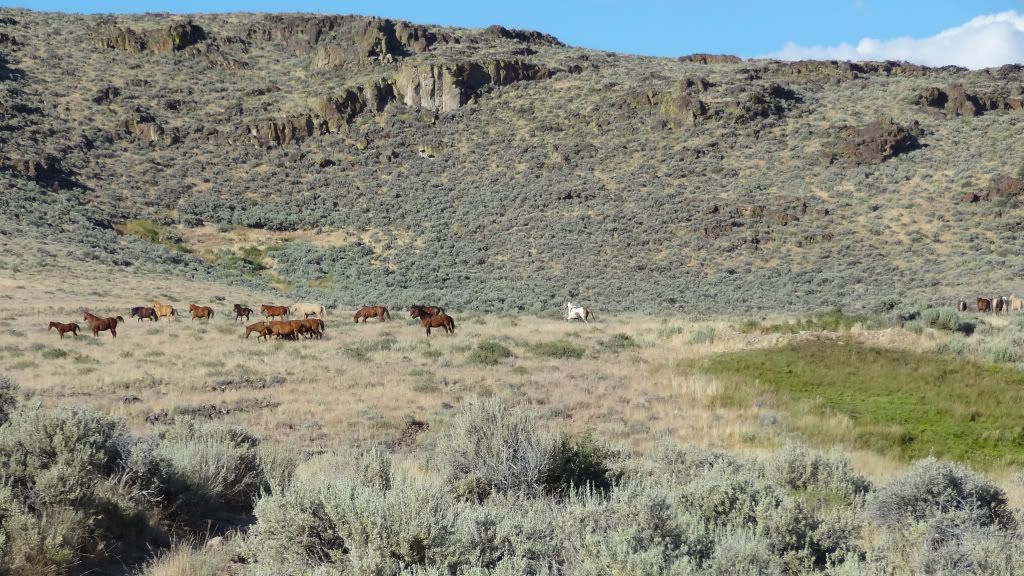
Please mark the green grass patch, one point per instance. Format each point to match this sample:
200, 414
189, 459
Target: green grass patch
901, 403
558, 349
152, 232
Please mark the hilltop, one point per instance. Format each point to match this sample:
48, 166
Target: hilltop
359, 160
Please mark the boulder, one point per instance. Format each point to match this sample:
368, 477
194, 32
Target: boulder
877, 141
106, 95
145, 129
175, 37
446, 87
45, 170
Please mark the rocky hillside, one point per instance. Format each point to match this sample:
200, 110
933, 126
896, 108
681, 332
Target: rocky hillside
362, 160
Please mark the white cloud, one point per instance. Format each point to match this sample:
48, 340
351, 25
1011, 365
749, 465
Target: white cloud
986, 41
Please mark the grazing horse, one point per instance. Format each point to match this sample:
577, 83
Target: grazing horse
63, 329
984, 304
242, 312
1016, 304
271, 311
415, 310
201, 312
143, 312
164, 310
961, 306
371, 312
306, 309
574, 312
997, 304
438, 321
97, 324
260, 328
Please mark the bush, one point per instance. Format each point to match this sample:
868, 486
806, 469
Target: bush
489, 353
580, 463
800, 468
941, 319
934, 487
8, 397
619, 342
705, 335
558, 349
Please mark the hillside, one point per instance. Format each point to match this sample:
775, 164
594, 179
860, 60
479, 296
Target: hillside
362, 160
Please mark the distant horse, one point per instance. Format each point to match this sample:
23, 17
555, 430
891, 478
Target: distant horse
371, 312
961, 306
574, 312
271, 311
97, 324
310, 327
242, 312
984, 304
260, 328
63, 329
143, 312
1016, 304
415, 309
306, 309
997, 304
441, 320
284, 329
201, 312
164, 310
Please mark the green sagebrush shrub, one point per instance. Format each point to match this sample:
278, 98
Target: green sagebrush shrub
489, 353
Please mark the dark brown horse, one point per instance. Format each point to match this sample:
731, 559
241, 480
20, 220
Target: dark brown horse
97, 324
984, 304
143, 312
416, 309
262, 329
63, 329
371, 312
441, 320
242, 312
201, 312
284, 329
271, 311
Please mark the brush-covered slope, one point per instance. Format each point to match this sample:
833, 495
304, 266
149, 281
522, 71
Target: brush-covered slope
385, 161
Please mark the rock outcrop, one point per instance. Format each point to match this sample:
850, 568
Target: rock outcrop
45, 170
174, 38
764, 102
446, 87
876, 142
711, 58
376, 39
145, 129
1002, 187
339, 111
955, 100
280, 131
524, 36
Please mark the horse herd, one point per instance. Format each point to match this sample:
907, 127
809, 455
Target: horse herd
995, 305
277, 323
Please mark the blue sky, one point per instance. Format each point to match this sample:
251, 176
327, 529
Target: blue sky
659, 28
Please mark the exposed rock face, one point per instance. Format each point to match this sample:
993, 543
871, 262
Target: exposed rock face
175, 37
45, 170
445, 87
145, 129
1002, 187
376, 39
106, 95
524, 36
771, 100
711, 58
299, 33
957, 101
278, 132
878, 141
339, 111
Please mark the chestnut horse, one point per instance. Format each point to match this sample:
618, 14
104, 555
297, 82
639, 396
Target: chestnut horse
415, 309
310, 327
143, 312
97, 324
242, 312
284, 329
201, 312
260, 328
164, 310
371, 312
271, 311
984, 304
63, 329
441, 320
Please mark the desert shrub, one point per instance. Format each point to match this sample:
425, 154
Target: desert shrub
800, 468
580, 463
558, 349
277, 464
489, 353
8, 397
619, 342
668, 331
743, 554
497, 447
933, 487
705, 335
185, 559
54, 353
941, 319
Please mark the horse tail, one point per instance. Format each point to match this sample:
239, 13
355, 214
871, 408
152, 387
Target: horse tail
451, 324
119, 320
388, 314
211, 313
591, 314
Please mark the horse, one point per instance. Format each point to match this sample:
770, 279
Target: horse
1016, 304
431, 310
437, 321
997, 304
371, 312
306, 309
284, 329
271, 311
242, 312
63, 329
961, 306
574, 312
984, 304
97, 324
310, 327
143, 312
164, 310
201, 312
262, 329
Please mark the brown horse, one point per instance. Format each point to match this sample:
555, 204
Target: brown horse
284, 329
63, 329
201, 312
142, 313
97, 324
371, 312
242, 312
164, 310
437, 321
311, 327
262, 329
271, 311
415, 309
984, 304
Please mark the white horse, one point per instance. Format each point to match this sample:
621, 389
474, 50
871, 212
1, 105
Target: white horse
306, 310
574, 312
